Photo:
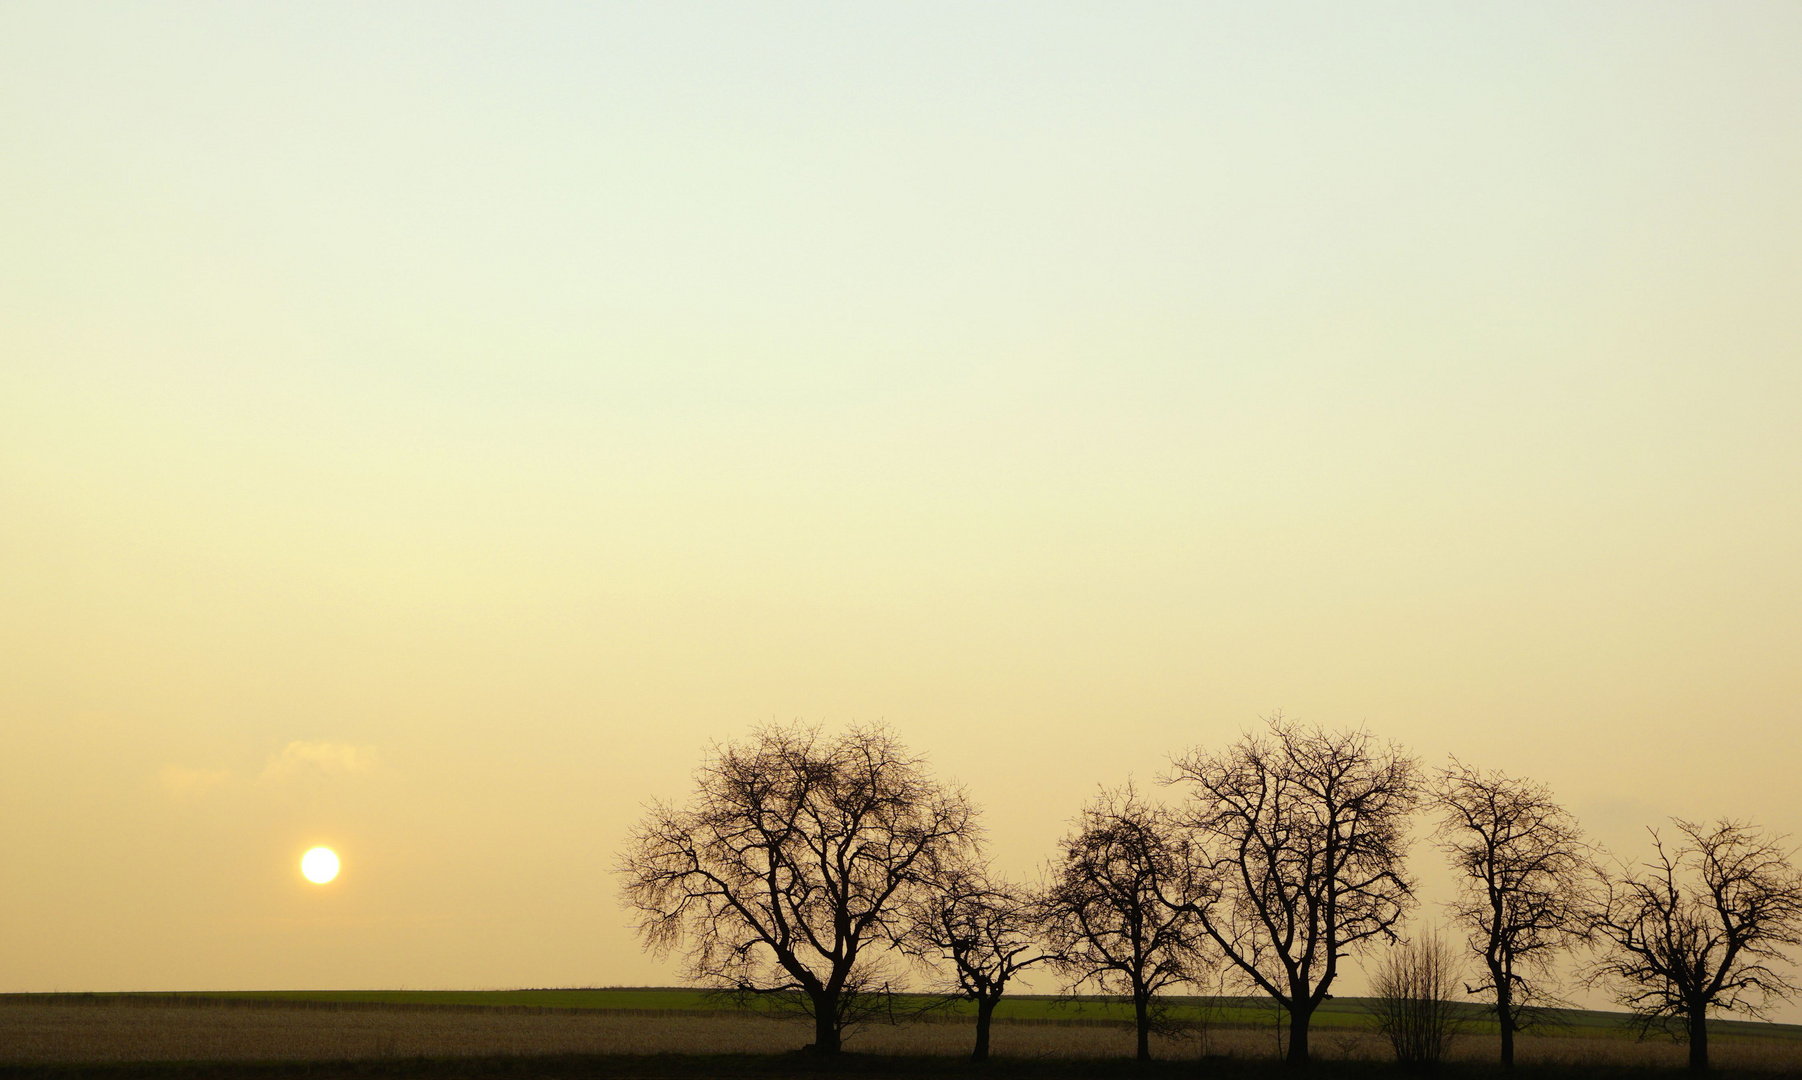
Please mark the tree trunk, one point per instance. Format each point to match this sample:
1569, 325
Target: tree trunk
1504, 1013
1299, 1015
1142, 1014
985, 1012
1698, 1038
826, 1039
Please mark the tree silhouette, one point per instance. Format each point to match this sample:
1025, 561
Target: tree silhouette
1104, 916
1700, 928
1299, 837
1524, 876
786, 871
987, 930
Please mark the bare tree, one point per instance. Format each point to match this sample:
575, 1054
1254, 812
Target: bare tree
785, 873
1701, 928
1104, 917
1411, 999
986, 930
1524, 872
1299, 836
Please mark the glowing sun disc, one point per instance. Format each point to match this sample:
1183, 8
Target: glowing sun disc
320, 865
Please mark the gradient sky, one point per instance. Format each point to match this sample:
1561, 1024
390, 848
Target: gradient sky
425, 428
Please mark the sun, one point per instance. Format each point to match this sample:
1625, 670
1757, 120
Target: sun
320, 865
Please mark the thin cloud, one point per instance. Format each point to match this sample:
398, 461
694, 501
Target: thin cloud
326, 758
296, 760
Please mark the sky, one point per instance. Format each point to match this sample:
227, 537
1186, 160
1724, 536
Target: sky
426, 429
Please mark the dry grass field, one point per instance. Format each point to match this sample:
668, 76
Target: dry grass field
44, 1034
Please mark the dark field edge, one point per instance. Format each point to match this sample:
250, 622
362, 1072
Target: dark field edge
1221, 1013
803, 1066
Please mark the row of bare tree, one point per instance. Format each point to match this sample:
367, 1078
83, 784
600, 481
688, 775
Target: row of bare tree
805, 864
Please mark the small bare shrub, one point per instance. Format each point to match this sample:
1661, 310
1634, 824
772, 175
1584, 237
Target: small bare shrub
1410, 996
